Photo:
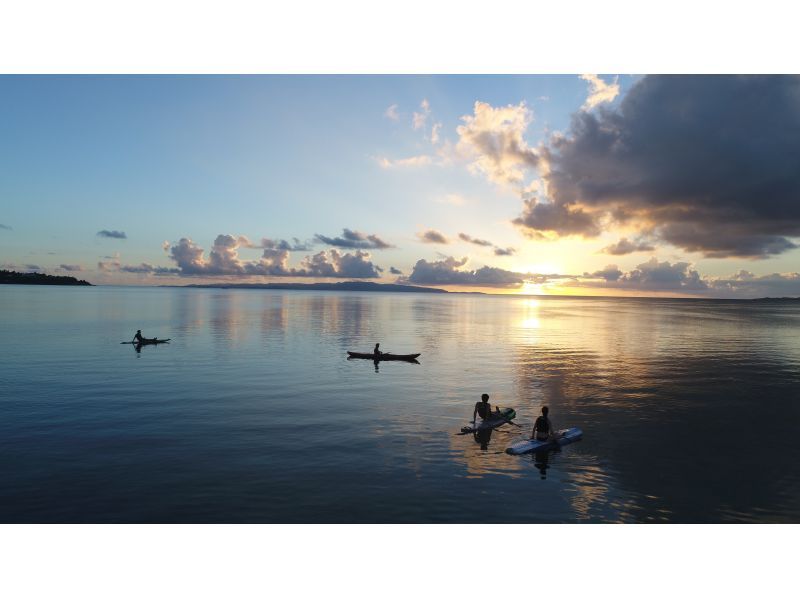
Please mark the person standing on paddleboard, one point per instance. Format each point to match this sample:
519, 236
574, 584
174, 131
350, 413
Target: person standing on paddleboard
484, 409
543, 428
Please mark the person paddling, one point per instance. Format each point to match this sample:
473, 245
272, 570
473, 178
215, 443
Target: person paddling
543, 428
377, 352
484, 409
138, 338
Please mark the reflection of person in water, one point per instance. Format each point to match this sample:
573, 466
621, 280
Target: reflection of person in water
483, 437
540, 462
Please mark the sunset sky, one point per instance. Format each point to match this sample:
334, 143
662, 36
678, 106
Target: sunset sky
609, 184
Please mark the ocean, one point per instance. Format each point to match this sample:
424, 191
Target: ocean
252, 413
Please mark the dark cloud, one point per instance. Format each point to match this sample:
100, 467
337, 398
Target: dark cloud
432, 236
32, 267
396, 271
145, 268
649, 276
5, 227
483, 243
447, 272
748, 285
709, 163
539, 217
223, 260
474, 241
112, 234
624, 247
351, 239
610, 273
333, 264
71, 267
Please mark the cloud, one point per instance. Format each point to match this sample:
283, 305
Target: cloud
355, 240
610, 273
447, 272
504, 251
480, 242
493, 139
419, 118
113, 264
705, 163
281, 244
391, 112
410, 162
435, 133
112, 234
539, 218
32, 267
433, 236
624, 247
5, 227
333, 264
746, 284
599, 91
145, 268
223, 260
71, 267
396, 271
649, 276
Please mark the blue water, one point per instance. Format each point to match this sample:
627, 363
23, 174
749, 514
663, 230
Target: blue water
252, 413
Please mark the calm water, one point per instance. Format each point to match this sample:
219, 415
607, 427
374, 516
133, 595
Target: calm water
690, 409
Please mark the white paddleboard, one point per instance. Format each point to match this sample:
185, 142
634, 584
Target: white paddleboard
562, 437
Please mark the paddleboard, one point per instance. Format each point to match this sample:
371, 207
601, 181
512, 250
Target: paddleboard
567, 436
506, 413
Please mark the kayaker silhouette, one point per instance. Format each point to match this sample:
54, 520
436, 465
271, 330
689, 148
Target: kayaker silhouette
138, 338
377, 352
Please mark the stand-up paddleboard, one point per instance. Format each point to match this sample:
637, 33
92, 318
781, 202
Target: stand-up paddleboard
563, 437
505, 415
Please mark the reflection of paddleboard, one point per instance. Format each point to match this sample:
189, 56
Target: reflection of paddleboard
506, 414
528, 446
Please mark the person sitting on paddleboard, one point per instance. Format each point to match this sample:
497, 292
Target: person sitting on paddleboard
138, 338
543, 428
484, 409
377, 352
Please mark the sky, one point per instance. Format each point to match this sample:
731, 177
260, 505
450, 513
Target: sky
612, 184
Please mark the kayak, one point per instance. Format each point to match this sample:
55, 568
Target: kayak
383, 356
147, 341
506, 414
152, 341
567, 436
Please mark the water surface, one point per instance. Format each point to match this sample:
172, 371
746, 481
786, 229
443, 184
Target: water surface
252, 413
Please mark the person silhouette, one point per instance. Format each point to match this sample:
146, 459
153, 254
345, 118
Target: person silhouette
138, 338
543, 428
377, 352
484, 409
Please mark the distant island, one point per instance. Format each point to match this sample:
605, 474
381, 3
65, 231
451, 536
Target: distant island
372, 287
11, 277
